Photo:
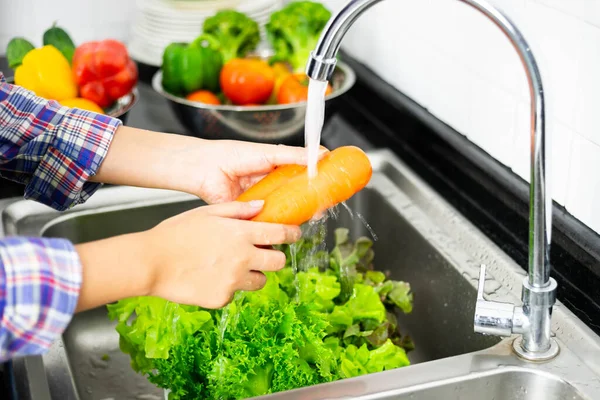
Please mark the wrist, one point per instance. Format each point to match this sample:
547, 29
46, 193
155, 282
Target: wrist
114, 269
150, 257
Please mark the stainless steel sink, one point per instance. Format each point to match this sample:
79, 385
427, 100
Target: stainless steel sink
421, 239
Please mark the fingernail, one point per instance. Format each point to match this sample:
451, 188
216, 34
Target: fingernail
257, 203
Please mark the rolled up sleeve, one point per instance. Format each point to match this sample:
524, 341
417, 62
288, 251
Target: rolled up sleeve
52, 150
40, 281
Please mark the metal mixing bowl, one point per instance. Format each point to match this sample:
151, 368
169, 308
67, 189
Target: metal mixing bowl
121, 107
267, 124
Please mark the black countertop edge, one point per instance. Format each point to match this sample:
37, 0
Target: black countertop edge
489, 194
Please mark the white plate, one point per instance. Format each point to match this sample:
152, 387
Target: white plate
161, 22
183, 11
171, 16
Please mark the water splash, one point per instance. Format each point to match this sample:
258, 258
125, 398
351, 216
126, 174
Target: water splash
294, 257
347, 207
367, 226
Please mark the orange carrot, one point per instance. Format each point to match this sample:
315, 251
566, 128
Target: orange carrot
341, 173
272, 181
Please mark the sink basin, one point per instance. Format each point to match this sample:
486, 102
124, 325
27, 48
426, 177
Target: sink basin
420, 239
506, 385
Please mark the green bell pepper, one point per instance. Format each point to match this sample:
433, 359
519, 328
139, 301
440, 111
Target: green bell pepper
190, 67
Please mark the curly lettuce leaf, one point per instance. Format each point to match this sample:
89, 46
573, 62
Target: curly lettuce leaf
157, 327
356, 361
364, 304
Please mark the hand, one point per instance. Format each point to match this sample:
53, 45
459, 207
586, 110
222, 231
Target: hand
200, 257
215, 170
221, 170
205, 255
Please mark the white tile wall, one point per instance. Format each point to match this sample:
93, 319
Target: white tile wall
452, 61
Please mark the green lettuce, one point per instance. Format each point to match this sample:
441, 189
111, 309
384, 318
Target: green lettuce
329, 320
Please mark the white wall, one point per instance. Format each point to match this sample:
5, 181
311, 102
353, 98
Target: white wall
453, 61
84, 19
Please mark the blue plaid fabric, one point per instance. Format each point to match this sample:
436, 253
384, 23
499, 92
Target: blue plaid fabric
39, 290
53, 151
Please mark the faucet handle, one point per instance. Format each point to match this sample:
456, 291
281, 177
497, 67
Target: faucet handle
492, 318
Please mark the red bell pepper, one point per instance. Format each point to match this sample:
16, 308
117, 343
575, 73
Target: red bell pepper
103, 71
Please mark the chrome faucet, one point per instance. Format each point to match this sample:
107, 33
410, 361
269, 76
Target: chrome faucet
531, 320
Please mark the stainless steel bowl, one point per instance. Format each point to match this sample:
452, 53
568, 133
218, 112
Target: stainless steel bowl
267, 124
121, 107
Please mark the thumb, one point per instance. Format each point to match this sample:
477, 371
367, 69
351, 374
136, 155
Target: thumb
265, 157
281, 154
235, 209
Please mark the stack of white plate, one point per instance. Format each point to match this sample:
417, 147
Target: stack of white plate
161, 22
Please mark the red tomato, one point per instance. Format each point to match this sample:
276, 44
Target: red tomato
294, 89
247, 81
203, 96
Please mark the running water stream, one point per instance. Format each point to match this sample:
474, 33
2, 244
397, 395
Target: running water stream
313, 125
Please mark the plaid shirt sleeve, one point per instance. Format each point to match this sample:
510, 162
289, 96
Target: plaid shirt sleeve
39, 289
53, 150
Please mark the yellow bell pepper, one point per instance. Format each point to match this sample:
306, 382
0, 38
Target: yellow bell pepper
83, 104
47, 73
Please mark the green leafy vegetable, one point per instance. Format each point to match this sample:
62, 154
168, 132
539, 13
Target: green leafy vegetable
233, 33
294, 31
299, 330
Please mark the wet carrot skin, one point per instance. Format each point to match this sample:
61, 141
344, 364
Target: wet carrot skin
275, 179
272, 181
341, 173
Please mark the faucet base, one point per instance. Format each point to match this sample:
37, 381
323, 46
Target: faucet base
547, 355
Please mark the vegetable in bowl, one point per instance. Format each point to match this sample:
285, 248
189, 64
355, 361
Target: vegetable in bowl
96, 76
232, 32
294, 31
332, 320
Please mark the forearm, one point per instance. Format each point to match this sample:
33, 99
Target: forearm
149, 159
114, 269
43, 282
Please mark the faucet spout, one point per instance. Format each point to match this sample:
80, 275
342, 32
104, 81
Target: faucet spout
322, 61
532, 321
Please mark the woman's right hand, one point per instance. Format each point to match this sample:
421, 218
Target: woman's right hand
204, 256
200, 257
